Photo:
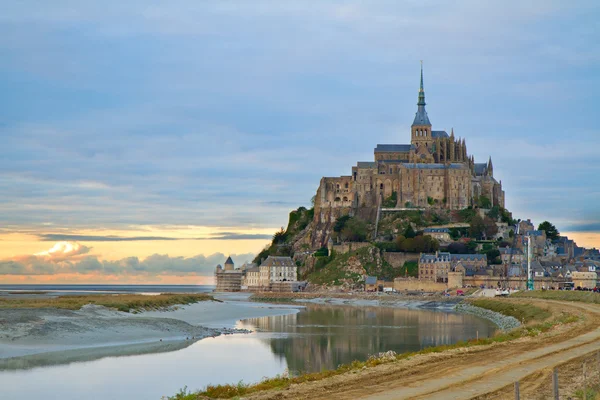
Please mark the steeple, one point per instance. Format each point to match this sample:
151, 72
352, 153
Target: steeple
421, 118
421, 90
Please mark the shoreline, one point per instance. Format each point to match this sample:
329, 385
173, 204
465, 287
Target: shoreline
43, 336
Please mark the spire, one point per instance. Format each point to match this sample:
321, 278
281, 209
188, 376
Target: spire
421, 117
421, 90
452, 133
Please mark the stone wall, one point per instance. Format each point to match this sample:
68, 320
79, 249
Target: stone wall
350, 246
397, 260
414, 284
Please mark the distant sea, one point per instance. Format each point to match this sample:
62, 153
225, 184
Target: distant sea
83, 289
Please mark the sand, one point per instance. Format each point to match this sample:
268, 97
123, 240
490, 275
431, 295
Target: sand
44, 336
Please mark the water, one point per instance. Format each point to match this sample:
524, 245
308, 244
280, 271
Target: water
318, 337
57, 290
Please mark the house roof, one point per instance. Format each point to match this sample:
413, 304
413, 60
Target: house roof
371, 280
439, 134
366, 164
480, 168
535, 233
275, 261
436, 230
393, 148
432, 166
509, 250
229, 261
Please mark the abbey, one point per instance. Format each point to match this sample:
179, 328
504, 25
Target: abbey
434, 170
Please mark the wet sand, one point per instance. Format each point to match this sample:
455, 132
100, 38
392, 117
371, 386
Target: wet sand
44, 335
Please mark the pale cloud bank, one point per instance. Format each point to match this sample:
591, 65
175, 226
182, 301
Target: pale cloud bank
72, 258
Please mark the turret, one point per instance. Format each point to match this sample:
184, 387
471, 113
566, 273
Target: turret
490, 167
229, 266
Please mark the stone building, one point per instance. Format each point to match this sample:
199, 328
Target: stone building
271, 271
441, 234
517, 255
435, 267
229, 279
434, 170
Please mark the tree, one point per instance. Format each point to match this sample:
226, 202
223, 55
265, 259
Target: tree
494, 213
409, 232
484, 202
491, 229
551, 231
476, 227
399, 240
457, 248
482, 228
280, 237
355, 230
471, 246
340, 223
407, 245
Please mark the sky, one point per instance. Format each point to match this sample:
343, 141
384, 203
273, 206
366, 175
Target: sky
144, 141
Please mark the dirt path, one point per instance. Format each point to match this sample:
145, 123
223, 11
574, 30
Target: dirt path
464, 373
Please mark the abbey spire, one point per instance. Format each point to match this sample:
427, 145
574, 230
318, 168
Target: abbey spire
421, 118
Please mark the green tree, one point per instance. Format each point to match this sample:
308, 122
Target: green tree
340, 223
484, 202
408, 245
476, 227
399, 240
409, 232
355, 230
494, 213
471, 246
551, 231
280, 237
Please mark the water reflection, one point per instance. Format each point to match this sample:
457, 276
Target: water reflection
319, 337
322, 337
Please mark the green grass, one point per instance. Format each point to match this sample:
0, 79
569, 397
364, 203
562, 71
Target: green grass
523, 312
280, 382
564, 295
121, 302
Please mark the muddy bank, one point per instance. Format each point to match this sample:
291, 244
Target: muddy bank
503, 322
95, 331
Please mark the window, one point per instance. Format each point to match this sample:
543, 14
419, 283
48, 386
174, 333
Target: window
346, 185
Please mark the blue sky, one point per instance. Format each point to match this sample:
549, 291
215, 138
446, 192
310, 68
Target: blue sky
225, 114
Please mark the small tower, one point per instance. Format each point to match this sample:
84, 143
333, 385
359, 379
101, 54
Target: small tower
490, 168
421, 127
229, 264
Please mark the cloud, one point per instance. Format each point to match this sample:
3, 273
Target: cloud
229, 113
64, 250
51, 237
154, 265
113, 238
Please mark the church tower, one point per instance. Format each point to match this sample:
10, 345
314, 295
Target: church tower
421, 127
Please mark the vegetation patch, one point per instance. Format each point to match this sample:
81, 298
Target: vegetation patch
564, 295
281, 382
121, 302
525, 313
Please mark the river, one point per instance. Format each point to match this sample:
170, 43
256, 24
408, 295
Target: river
315, 338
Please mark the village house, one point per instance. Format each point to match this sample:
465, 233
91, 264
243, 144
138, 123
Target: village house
441, 234
517, 255
435, 267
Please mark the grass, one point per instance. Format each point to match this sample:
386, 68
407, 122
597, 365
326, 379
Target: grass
279, 382
564, 295
121, 302
523, 312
